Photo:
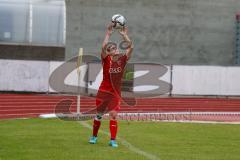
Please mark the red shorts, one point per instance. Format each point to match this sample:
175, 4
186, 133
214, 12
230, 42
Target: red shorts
107, 101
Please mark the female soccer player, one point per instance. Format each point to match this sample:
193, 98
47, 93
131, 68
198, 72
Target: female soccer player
109, 93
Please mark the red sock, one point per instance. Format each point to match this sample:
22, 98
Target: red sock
113, 126
96, 126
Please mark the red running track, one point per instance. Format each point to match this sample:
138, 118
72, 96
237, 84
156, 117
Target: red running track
32, 105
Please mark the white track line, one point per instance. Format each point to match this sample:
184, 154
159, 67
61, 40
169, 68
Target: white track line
167, 113
125, 143
200, 122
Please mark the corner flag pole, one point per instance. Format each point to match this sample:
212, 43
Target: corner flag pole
79, 62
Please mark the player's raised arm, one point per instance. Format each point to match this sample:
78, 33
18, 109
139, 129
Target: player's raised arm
124, 33
106, 40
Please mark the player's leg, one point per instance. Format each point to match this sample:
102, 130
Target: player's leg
96, 126
97, 120
113, 126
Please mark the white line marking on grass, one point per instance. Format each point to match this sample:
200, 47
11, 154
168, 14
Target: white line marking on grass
126, 144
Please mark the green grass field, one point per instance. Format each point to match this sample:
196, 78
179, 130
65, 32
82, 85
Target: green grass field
53, 139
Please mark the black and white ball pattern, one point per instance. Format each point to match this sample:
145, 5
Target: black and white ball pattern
118, 20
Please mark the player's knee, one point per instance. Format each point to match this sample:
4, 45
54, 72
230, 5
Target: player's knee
98, 117
113, 115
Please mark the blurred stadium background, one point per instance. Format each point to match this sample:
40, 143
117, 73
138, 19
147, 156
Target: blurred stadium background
198, 41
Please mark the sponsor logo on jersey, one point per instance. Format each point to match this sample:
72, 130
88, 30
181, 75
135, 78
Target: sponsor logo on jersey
115, 70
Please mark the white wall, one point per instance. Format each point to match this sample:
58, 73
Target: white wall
16, 75
230, 81
33, 76
52, 66
205, 80
154, 79
71, 79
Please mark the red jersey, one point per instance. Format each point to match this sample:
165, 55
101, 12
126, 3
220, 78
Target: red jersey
109, 93
112, 74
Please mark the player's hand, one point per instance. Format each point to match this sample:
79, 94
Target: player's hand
123, 31
110, 28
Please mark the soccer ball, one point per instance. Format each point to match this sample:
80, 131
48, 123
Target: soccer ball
119, 21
